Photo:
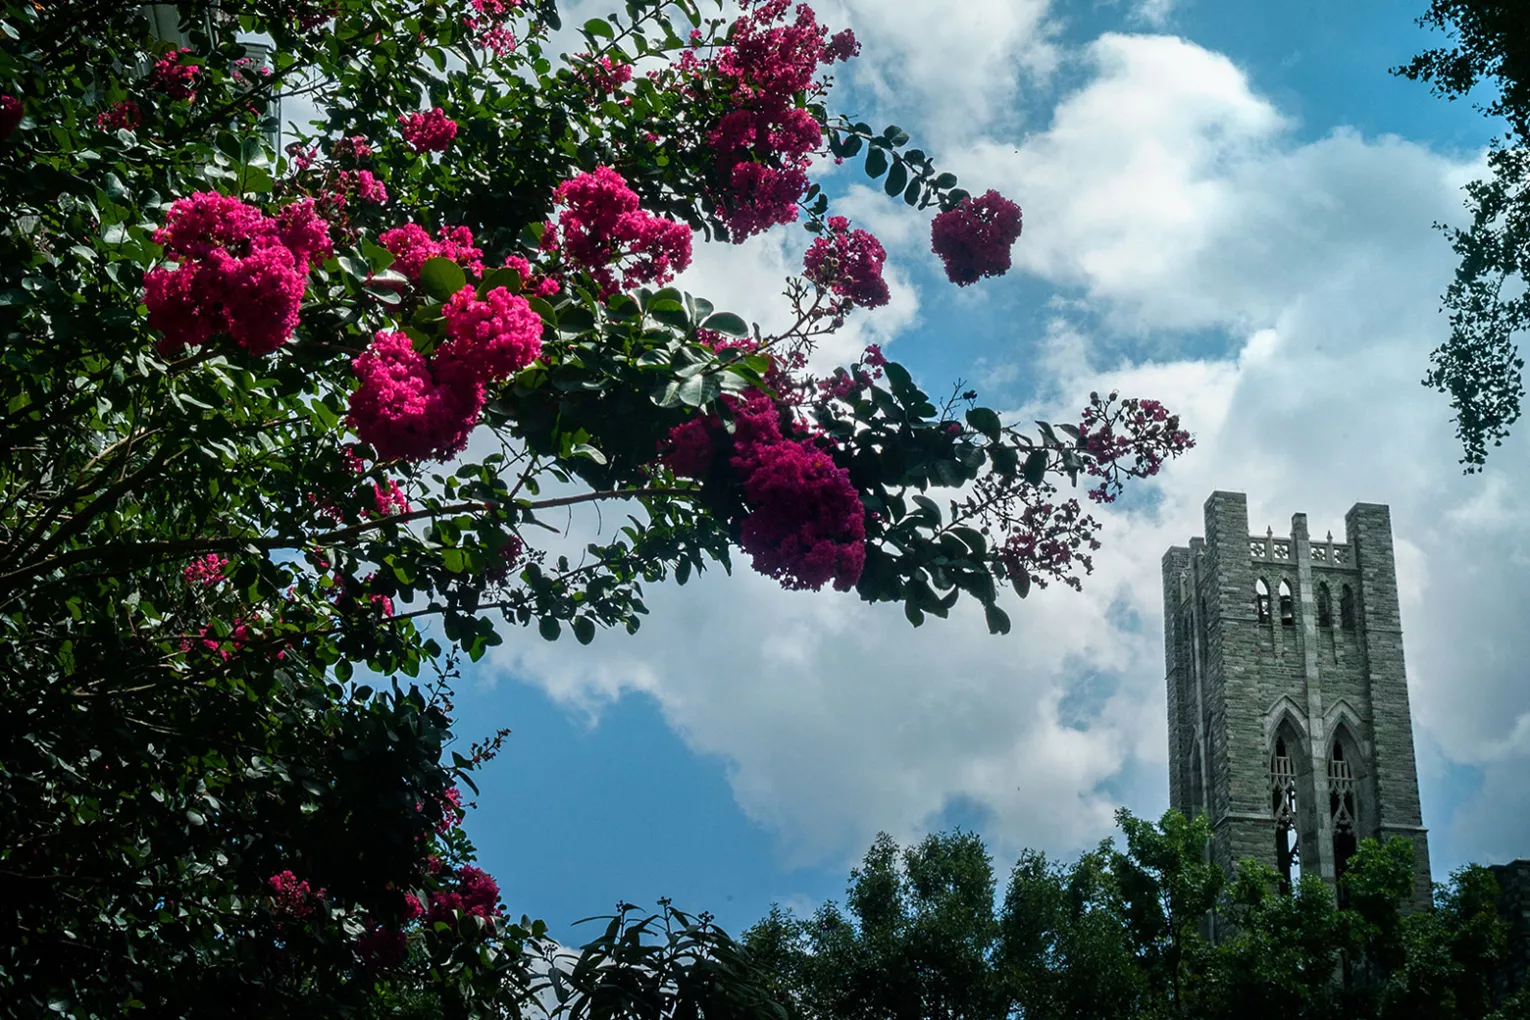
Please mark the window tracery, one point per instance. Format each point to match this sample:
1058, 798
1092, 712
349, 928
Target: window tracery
1341, 811
1324, 605
1347, 608
1283, 806
1262, 600
1287, 605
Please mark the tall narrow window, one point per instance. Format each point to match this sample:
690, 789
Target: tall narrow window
1324, 605
1287, 605
1283, 805
1347, 608
1341, 809
1262, 600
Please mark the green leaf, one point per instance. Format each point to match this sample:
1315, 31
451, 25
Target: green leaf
441, 278
378, 257
549, 628
945, 181
973, 538
898, 377
505, 277
584, 629
599, 27
998, 619
876, 162
985, 421
1035, 466
895, 135
699, 389
670, 312
897, 179
727, 323
355, 268
1022, 582
912, 192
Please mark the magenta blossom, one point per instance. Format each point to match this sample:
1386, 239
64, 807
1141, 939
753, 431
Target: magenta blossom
975, 238
848, 262
404, 409
431, 131
173, 78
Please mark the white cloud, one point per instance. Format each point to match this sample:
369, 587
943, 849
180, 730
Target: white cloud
1165, 196
1154, 12
948, 70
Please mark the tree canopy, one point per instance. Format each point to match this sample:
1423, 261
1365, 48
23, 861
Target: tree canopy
1123, 932
1479, 365
283, 433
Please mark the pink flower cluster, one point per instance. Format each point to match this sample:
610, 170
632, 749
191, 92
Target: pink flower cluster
476, 895
487, 22
205, 570
391, 500
239, 634
412, 246
366, 186
604, 75
975, 238
431, 131
601, 224
1131, 439
488, 340
804, 525
531, 282
451, 810
764, 145
407, 410
354, 148
848, 262
125, 114
238, 272
291, 898
245, 66
1047, 540
11, 113
498, 572
415, 408
173, 78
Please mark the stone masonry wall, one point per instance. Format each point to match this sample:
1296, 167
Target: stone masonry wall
1317, 678
1369, 530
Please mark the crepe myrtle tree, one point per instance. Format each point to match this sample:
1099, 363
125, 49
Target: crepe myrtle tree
269, 418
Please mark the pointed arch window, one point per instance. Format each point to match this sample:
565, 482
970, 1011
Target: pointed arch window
1287, 604
1347, 608
1342, 811
1283, 805
1324, 605
1262, 600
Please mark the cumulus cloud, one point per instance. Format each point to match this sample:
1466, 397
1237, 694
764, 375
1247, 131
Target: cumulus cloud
947, 70
1166, 196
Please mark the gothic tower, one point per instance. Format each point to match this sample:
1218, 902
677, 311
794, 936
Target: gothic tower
1288, 700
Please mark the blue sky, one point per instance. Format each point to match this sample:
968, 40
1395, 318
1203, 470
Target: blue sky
1228, 206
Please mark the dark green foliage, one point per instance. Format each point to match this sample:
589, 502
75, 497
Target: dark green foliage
1125, 934
1479, 366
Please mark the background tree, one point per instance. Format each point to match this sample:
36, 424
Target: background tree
282, 432
1479, 366
1123, 933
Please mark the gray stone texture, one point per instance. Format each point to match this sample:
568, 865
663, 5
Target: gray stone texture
1236, 681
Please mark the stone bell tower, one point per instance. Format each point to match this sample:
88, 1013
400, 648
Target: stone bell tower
1288, 699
